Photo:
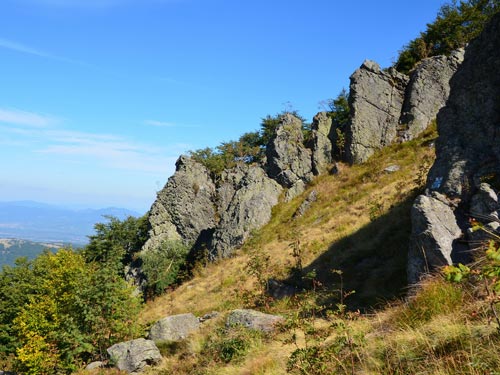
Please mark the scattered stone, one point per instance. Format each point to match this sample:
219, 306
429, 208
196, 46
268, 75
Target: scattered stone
208, 316
252, 319
94, 365
174, 328
134, 356
392, 168
306, 204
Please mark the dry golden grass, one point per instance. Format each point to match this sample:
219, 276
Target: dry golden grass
359, 224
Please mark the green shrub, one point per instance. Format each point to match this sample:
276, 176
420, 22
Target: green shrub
161, 266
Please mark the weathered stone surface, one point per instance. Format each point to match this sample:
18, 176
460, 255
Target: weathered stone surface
427, 93
174, 328
376, 99
92, 366
322, 141
253, 319
484, 204
288, 160
134, 356
434, 229
468, 147
246, 198
392, 168
184, 207
468, 154
306, 204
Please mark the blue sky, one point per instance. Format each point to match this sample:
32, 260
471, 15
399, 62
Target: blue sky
99, 97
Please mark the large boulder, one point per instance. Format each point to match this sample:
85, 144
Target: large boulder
246, 198
323, 138
174, 328
467, 167
253, 319
434, 232
376, 99
288, 160
134, 356
184, 207
427, 93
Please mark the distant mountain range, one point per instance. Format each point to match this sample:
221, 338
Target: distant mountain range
42, 222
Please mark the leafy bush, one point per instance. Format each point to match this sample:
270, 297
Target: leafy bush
249, 148
229, 345
456, 24
161, 266
69, 312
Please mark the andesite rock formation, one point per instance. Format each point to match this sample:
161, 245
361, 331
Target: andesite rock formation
388, 106
219, 215
464, 181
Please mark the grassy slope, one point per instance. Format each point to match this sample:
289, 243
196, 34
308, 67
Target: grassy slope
360, 225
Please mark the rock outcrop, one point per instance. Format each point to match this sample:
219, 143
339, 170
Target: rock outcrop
387, 106
174, 328
466, 173
184, 207
288, 160
220, 215
246, 196
434, 232
427, 93
134, 356
322, 142
376, 98
253, 319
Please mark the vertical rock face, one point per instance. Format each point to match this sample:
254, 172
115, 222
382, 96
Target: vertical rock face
427, 93
323, 139
246, 198
387, 106
466, 173
434, 230
288, 160
184, 207
376, 99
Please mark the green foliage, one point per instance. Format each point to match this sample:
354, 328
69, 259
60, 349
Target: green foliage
339, 112
231, 345
161, 266
115, 242
485, 273
434, 297
456, 24
249, 148
64, 312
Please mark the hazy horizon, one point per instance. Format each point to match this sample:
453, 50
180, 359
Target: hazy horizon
101, 97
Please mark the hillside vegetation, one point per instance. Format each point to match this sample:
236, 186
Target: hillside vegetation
347, 256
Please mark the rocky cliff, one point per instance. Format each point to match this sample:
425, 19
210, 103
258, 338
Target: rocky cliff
219, 215
464, 182
387, 106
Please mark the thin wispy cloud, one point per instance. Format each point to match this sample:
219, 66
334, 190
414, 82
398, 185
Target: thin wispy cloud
93, 3
18, 117
167, 124
160, 124
40, 134
23, 48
